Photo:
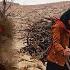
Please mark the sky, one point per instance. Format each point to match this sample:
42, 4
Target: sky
34, 2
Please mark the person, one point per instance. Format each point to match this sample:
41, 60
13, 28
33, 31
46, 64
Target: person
56, 58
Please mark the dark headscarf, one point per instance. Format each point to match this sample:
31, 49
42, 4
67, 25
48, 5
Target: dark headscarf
65, 17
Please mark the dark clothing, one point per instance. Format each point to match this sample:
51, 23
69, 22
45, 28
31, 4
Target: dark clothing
2, 67
53, 66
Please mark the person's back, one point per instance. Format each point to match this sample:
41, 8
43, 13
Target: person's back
58, 52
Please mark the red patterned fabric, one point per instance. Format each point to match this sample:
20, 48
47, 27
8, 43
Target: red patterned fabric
60, 41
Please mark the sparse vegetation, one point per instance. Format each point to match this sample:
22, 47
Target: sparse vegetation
30, 15
6, 33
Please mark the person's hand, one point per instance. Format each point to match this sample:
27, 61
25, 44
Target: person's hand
67, 52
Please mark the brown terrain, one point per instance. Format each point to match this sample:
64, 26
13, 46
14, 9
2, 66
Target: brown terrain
22, 16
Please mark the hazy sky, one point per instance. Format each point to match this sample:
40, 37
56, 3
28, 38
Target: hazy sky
33, 2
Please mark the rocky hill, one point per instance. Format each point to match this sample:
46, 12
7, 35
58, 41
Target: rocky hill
22, 16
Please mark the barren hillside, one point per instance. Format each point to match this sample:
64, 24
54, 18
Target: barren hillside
24, 15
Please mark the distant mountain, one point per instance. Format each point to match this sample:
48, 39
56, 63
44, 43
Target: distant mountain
35, 12
20, 10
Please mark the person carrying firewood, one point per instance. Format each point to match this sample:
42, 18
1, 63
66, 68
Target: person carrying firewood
60, 51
